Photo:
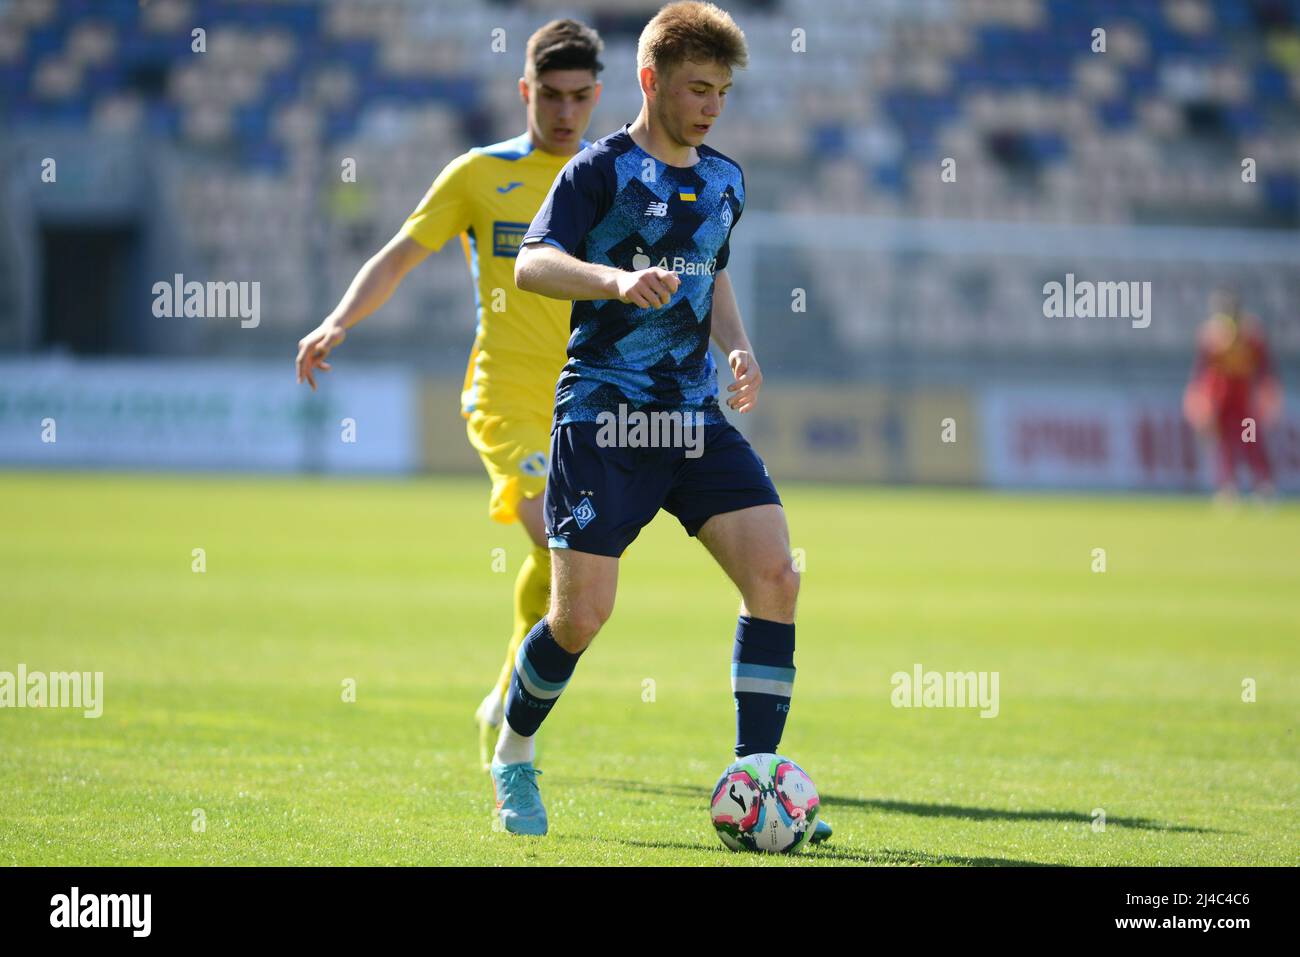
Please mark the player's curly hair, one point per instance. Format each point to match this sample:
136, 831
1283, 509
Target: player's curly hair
563, 45
694, 31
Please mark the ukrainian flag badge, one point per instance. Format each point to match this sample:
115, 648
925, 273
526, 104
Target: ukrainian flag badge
685, 194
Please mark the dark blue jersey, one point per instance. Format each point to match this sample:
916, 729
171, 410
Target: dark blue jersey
617, 205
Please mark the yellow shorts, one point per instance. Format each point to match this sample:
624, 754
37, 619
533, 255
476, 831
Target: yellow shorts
515, 451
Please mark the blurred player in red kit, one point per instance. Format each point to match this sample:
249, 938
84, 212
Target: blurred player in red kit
1233, 393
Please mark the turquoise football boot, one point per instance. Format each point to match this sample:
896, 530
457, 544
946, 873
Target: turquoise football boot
821, 832
519, 807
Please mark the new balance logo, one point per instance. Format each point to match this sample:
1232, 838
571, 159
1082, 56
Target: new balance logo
657, 209
508, 187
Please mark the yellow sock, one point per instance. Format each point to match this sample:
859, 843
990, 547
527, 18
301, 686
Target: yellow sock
532, 600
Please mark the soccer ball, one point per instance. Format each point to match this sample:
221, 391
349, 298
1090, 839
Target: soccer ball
764, 802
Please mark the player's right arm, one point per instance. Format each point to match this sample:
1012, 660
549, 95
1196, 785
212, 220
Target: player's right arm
372, 286
548, 264
550, 271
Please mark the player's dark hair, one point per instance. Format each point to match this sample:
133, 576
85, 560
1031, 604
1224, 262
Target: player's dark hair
689, 30
563, 45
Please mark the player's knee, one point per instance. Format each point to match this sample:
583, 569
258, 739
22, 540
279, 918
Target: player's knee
574, 627
776, 584
787, 586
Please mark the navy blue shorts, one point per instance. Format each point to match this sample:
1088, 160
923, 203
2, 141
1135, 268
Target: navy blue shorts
599, 498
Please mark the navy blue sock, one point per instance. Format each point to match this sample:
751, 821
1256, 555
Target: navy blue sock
762, 678
542, 669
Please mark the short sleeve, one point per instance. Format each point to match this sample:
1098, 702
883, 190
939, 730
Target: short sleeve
445, 211
578, 198
724, 254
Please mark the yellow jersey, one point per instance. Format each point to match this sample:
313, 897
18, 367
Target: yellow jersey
488, 197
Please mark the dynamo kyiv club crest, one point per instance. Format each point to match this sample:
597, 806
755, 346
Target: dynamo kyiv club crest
584, 513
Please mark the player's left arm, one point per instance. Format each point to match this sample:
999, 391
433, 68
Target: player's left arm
729, 333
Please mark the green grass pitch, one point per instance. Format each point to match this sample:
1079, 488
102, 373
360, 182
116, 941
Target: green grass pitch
1119, 691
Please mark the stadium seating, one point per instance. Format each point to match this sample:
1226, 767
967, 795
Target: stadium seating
253, 131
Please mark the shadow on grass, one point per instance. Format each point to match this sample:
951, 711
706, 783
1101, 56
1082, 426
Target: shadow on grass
999, 814
912, 807
883, 856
